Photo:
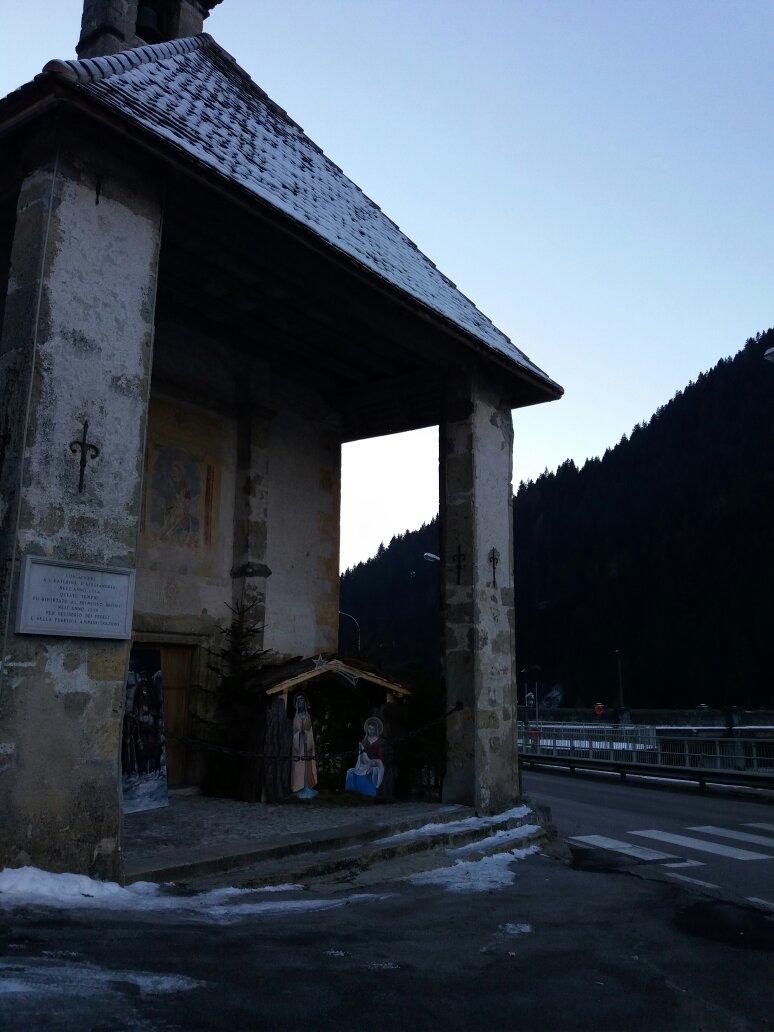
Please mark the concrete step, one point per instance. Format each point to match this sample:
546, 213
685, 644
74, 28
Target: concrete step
513, 829
193, 861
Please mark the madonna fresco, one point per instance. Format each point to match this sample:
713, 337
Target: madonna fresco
176, 498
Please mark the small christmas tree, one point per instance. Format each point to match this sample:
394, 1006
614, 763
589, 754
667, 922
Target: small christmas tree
240, 707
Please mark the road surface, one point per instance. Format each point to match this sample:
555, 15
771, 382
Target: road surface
717, 842
548, 947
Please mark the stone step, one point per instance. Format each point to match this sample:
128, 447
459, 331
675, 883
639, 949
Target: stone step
196, 861
450, 835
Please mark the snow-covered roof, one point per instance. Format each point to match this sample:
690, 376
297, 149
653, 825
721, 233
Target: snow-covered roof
192, 93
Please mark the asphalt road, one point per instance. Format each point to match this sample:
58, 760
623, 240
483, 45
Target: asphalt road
549, 947
722, 843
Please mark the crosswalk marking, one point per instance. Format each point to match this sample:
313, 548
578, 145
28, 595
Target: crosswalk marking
740, 836
628, 848
761, 824
707, 847
693, 881
686, 863
760, 902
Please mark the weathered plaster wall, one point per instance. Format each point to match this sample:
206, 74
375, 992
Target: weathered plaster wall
478, 613
76, 345
185, 551
304, 478
275, 454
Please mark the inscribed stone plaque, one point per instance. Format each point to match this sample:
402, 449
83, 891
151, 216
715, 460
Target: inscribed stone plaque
77, 600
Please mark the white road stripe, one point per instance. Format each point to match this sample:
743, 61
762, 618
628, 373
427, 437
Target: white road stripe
760, 902
740, 836
686, 863
761, 824
693, 881
639, 852
706, 847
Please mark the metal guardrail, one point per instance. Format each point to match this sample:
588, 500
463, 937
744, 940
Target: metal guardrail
640, 750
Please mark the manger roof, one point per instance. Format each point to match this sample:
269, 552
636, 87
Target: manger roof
348, 671
193, 96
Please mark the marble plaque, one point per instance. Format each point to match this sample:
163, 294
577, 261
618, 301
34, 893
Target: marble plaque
77, 600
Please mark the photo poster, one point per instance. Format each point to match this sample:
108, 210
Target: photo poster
143, 757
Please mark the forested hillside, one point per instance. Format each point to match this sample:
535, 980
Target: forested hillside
662, 548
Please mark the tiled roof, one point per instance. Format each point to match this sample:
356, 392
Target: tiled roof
193, 94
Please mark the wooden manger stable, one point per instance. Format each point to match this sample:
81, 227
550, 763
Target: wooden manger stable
341, 696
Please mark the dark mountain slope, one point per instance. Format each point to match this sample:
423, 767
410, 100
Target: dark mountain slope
663, 548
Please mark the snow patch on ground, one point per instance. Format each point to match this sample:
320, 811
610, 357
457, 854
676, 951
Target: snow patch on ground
48, 978
515, 929
491, 872
29, 886
499, 838
452, 827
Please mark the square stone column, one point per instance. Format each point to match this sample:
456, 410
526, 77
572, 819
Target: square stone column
476, 522
76, 346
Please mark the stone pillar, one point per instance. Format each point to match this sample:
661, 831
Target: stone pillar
250, 571
476, 519
76, 345
304, 494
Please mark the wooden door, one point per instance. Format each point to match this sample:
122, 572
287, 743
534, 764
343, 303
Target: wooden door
176, 668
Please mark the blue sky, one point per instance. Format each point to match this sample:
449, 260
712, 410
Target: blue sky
597, 177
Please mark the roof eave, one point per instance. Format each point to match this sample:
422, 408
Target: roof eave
56, 85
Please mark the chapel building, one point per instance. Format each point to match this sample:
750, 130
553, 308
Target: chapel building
198, 309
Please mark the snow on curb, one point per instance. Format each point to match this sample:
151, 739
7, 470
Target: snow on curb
29, 886
525, 831
452, 827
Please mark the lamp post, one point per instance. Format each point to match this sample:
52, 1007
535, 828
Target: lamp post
769, 355
619, 656
349, 616
431, 557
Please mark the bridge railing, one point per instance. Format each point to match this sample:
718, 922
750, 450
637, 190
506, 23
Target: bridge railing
622, 748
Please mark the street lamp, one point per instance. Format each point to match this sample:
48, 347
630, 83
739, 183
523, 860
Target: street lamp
354, 621
769, 355
619, 656
431, 557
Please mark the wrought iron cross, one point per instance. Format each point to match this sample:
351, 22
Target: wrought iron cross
87, 450
494, 559
459, 556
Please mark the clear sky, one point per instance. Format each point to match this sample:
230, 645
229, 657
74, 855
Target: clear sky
596, 176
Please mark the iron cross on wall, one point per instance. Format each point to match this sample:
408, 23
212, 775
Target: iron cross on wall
457, 559
87, 450
494, 559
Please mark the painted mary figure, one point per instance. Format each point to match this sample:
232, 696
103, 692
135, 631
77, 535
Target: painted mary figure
303, 776
368, 773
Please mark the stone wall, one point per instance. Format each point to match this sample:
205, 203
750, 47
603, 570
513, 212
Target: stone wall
76, 345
